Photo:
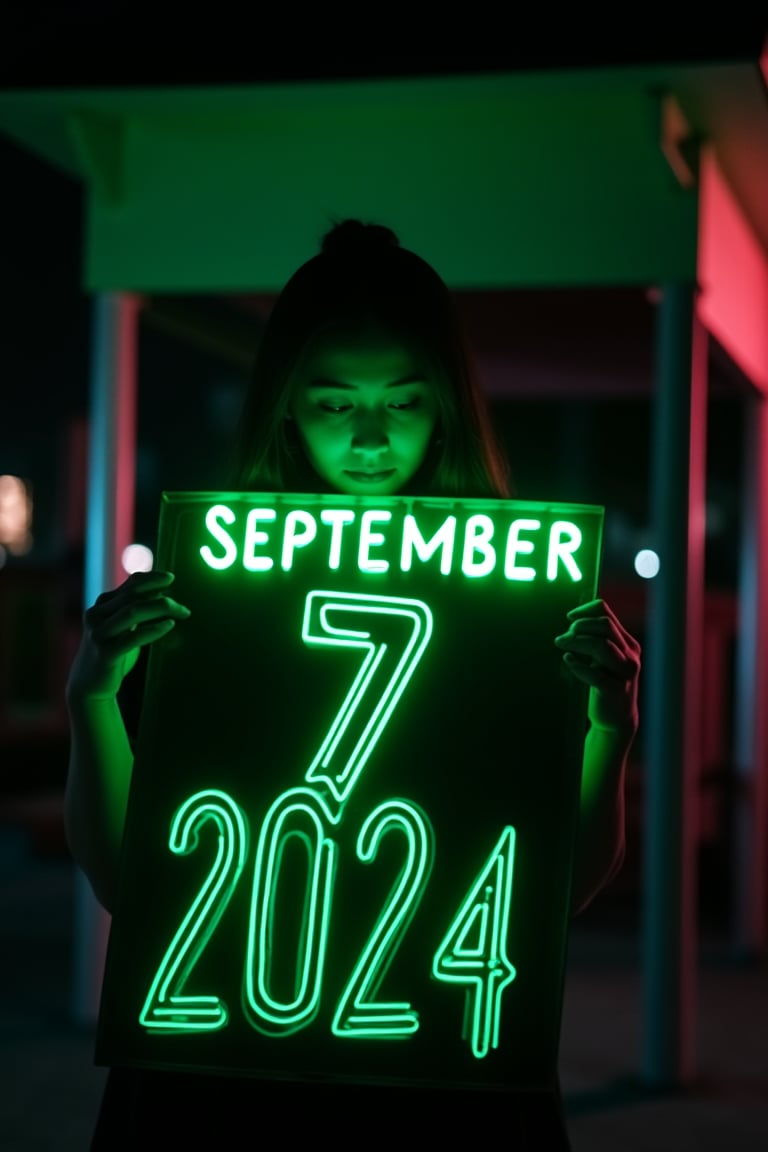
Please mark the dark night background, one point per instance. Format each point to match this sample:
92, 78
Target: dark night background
563, 444
577, 424
577, 421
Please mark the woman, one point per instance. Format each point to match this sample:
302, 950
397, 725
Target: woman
362, 386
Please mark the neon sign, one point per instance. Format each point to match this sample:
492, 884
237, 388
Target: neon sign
354, 800
479, 549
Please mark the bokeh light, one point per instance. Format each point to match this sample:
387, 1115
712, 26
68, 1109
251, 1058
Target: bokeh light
137, 558
647, 563
15, 515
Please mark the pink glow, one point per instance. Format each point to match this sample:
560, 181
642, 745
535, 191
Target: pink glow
733, 275
126, 356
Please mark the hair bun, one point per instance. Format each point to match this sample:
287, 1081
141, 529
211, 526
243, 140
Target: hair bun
354, 238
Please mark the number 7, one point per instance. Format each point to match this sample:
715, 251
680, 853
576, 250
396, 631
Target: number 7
381, 662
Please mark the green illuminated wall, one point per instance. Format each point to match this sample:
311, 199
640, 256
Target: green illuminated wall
501, 180
351, 823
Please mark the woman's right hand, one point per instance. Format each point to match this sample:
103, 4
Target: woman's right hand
117, 626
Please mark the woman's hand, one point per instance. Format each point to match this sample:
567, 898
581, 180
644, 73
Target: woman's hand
600, 652
116, 627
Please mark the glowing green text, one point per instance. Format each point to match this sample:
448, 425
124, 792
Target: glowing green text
473, 951
165, 1007
284, 976
297, 813
374, 542
384, 672
357, 1013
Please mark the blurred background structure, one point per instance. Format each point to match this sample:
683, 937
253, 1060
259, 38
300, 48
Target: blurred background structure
604, 224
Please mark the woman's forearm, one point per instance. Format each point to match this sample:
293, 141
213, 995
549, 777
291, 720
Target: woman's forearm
600, 652
96, 792
600, 842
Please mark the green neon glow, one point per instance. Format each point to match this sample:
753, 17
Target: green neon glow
166, 1009
317, 629
297, 812
563, 549
517, 547
293, 539
337, 518
478, 533
254, 538
474, 950
357, 1014
413, 540
482, 547
213, 517
370, 539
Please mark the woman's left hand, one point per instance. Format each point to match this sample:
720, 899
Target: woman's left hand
600, 652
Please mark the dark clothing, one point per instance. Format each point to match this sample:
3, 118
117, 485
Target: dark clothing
143, 1110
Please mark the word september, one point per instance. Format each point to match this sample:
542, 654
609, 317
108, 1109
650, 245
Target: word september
478, 545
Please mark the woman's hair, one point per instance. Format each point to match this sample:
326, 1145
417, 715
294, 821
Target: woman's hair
363, 275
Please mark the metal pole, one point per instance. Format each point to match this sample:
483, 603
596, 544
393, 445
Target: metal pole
669, 822
749, 831
109, 524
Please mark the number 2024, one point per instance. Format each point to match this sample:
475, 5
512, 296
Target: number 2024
472, 952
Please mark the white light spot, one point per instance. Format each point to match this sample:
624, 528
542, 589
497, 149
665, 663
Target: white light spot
647, 563
15, 515
137, 558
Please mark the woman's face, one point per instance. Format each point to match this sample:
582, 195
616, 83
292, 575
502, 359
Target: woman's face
365, 409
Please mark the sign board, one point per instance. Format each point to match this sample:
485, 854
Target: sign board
351, 823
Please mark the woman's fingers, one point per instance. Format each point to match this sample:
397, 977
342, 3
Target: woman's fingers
140, 585
112, 648
596, 633
127, 618
120, 623
598, 618
133, 614
140, 601
137, 582
601, 653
